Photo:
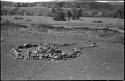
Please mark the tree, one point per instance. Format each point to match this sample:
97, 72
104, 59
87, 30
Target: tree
79, 13
69, 14
119, 13
58, 13
76, 13
15, 11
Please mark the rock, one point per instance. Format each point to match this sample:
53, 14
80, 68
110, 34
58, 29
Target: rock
55, 57
1, 38
63, 53
25, 44
58, 51
93, 45
41, 52
40, 57
52, 59
26, 57
35, 51
20, 56
15, 52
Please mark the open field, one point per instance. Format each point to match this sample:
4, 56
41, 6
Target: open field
42, 10
84, 21
106, 61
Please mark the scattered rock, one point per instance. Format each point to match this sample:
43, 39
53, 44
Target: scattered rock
44, 51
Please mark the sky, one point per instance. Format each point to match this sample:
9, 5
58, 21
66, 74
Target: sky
62, 0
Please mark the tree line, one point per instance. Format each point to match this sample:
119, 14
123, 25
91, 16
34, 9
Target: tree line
62, 13
59, 14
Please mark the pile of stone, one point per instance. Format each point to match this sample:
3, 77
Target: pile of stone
43, 52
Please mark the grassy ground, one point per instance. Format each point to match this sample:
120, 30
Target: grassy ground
103, 62
42, 10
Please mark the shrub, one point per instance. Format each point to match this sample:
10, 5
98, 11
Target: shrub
19, 18
5, 21
58, 14
119, 13
76, 13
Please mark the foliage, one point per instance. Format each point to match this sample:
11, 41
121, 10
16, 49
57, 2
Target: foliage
58, 14
76, 13
5, 21
119, 13
63, 9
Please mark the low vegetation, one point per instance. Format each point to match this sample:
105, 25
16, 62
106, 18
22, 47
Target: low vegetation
18, 18
89, 9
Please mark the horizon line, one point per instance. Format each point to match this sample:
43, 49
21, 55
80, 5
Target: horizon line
103, 1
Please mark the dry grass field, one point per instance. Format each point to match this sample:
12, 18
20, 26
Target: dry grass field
42, 10
106, 61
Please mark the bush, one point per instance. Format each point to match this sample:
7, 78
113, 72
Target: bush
18, 18
76, 13
119, 13
58, 14
28, 20
5, 22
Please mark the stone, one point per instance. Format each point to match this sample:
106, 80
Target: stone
41, 52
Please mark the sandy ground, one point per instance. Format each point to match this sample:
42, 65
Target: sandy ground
106, 61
